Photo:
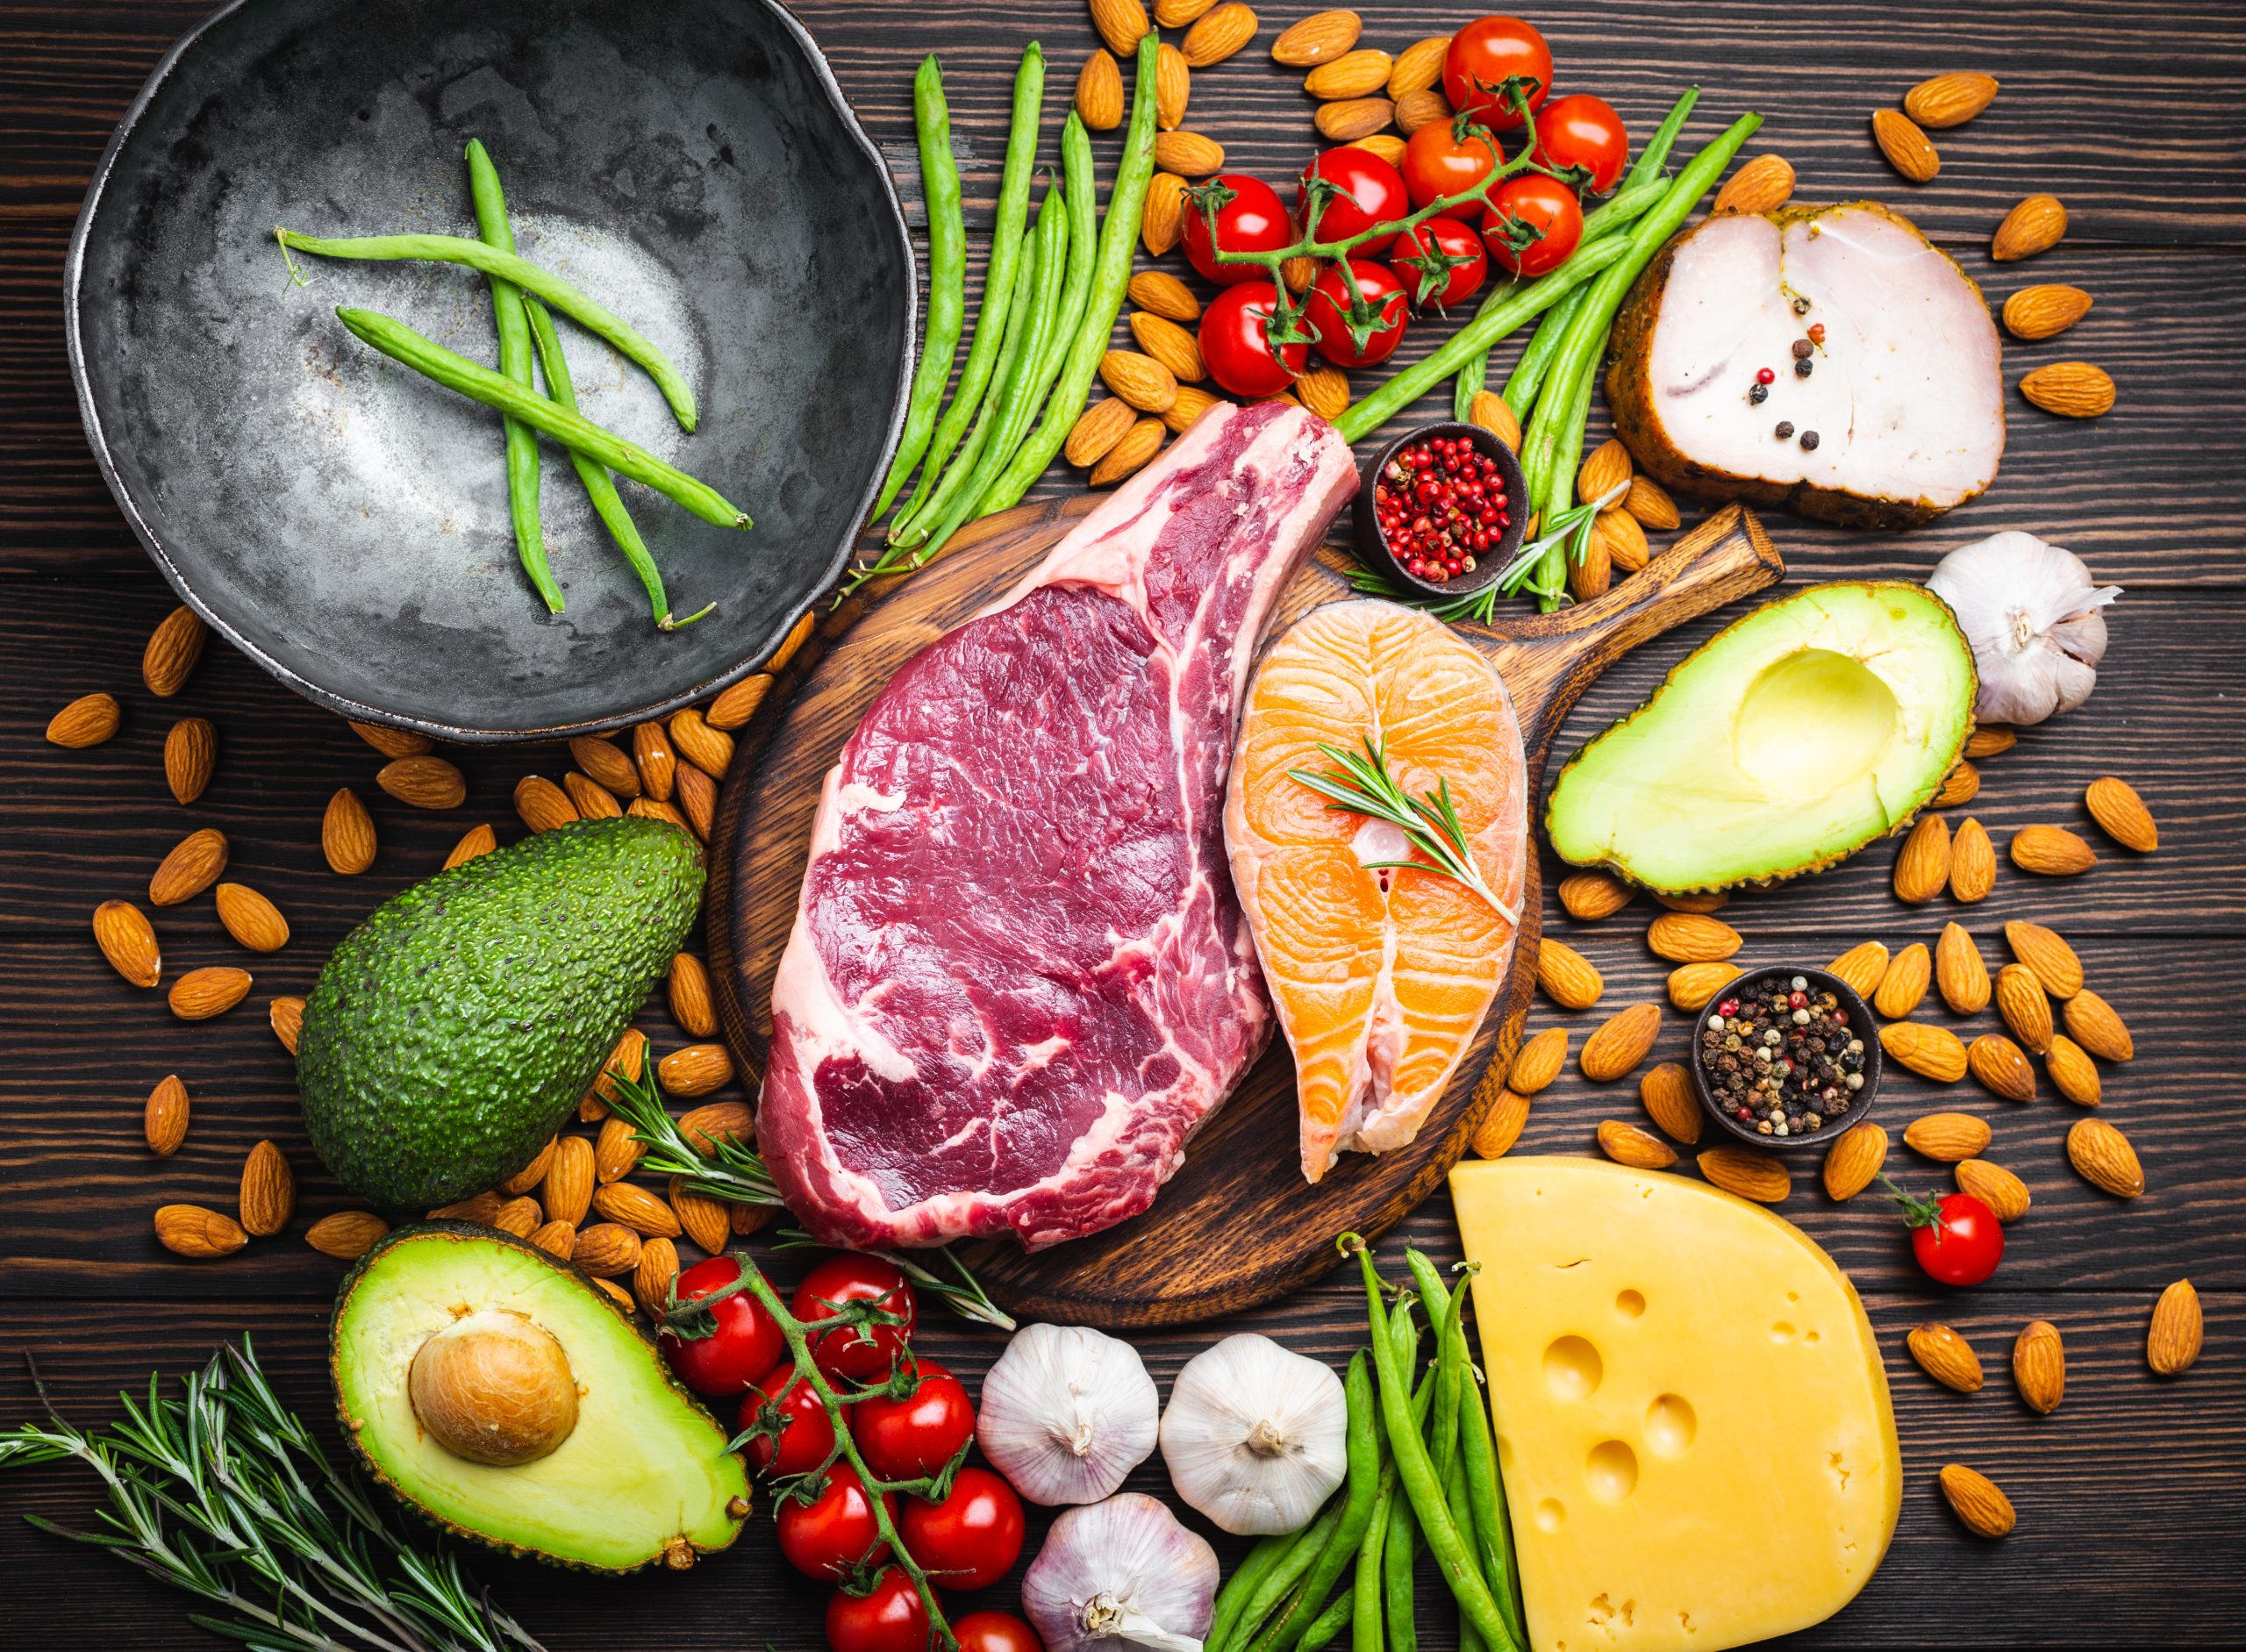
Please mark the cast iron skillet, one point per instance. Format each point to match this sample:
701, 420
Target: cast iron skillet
344, 521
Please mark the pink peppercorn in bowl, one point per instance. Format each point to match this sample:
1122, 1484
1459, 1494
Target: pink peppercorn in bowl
1730, 1078
1441, 510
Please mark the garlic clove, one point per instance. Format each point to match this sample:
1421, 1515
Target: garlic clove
1067, 1412
1124, 1572
2033, 617
1255, 1437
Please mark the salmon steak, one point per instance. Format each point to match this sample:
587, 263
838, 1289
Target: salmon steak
1381, 976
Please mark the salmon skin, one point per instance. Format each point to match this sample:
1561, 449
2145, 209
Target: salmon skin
1381, 976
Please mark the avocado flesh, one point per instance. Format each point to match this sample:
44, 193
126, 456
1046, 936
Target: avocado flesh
645, 1468
1790, 741
450, 1033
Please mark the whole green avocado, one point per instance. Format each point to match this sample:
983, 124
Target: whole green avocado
451, 1034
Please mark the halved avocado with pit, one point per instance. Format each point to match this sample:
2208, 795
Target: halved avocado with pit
1793, 739
495, 1390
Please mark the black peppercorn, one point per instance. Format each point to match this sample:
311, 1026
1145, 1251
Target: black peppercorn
1804, 367
1809, 441
1802, 348
1758, 394
1785, 430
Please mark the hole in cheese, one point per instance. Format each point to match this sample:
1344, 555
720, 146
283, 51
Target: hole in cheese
1611, 1470
1630, 1303
1550, 1516
1670, 1423
1572, 1367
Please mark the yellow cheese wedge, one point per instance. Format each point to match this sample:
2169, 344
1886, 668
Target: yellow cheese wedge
1691, 1417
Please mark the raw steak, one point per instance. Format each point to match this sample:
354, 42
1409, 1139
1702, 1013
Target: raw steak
1019, 978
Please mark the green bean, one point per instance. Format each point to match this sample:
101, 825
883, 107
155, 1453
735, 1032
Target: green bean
1326, 1625
1560, 477
1362, 1484
532, 278
1304, 1548
1364, 1591
1232, 1600
1633, 201
947, 277
399, 342
1396, 1574
1528, 372
513, 324
1485, 1494
1655, 155
1119, 236
1454, 1485
1001, 287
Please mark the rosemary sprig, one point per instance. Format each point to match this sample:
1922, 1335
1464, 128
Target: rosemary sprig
221, 1492
1429, 823
738, 1174
1480, 606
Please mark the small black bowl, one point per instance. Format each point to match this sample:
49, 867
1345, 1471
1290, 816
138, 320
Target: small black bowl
1860, 1022
1372, 544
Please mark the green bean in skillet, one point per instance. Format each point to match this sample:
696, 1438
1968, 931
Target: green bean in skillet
999, 287
947, 277
401, 343
532, 278
513, 325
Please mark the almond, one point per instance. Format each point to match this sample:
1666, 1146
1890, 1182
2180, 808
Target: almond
653, 1278
747, 1219
1161, 216
2178, 1329
556, 1238
1764, 184
1414, 109
1756, 1175
696, 1069
128, 940
519, 1216
1141, 443
729, 710
649, 809
1490, 411
798, 635
1189, 154
1097, 431
1143, 381
1566, 976
1216, 35
1120, 22
476, 840
1854, 1160
173, 649
1173, 85
1299, 273
1904, 986
2073, 1073
709, 749
2104, 1159
191, 1231
200, 994
1961, 785
286, 1017
657, 763
347, 835
1908, 150
1537, 1062
622, 1300
1325, 390
606, 1249
698, 801
1947, 1136
1419, 66
163, 1122
2044, 951
541, 805
617, 1152
390, 742
190, 752
2004, 1193
2094, 1024
192, 867
1949, 100
568, 1191
1623, 539
1975, 1499
532, 1174
1864, 967
1931, 1052
692, 1004
1640, 1149
1960, 973
590, 798
1692, 938
1589, 896
1593, 574
1988, 739
1608, 468
2072, 389
1691, 985
2044, 312
1650, 504
88, 720
1160, 293
479, 1208
1318, 38
1172, 346
1353, 119
2122, 815
1972, 863
628, 1060
1177, 14
1704, 900
269, 1191
715, 1121
2039, 1366
2034, 226
2001, 1068
637, 1209
1946, 1356
1357, 73
425, 782
1191, 402
700, 1217
608, 767
1622, 1042
345, 1235
1922, 864
2026, 1010
1099, 92
1501, 1125
251, 919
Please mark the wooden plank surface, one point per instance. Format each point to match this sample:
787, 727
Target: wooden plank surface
2133, 1527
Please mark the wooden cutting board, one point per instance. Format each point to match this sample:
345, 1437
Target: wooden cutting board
1237, 1225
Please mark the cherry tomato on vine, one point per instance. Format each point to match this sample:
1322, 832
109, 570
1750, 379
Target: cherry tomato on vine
863, 1353
907, 1439
1549, 208
1436, 164
1255, 220
969, 1540
1385, 312
746, 1344
805, 1433
1371, 191
1583, 131
834, 1531
1483, 55
1235, 348
887, 1618
1957, 1239
995, 1631
1440, 262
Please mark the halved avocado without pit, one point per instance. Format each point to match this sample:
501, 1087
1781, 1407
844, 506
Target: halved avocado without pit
1793, 738
496, 1391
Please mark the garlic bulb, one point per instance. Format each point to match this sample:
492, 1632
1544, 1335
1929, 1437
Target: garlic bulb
1066, 1413
2031, 615
1254, 1436
1122, 1571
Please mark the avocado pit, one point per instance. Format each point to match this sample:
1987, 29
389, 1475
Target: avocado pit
494, 1388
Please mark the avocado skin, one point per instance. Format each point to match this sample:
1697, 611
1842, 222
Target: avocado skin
451, 1033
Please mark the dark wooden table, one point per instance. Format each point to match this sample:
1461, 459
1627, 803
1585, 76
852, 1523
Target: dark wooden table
2131, 1497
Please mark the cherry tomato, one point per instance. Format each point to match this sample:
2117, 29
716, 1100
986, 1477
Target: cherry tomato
805, 1434
1371, 192
969, 1540
1583, 131
1255, 220
1546, 205
1483, 55
995, 1631
1441, 262
861, 1353
1957, 1239
887, 1618
1436, 164
1235, 349
1330, 309
907, 1439
747, 1343
834, 1531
